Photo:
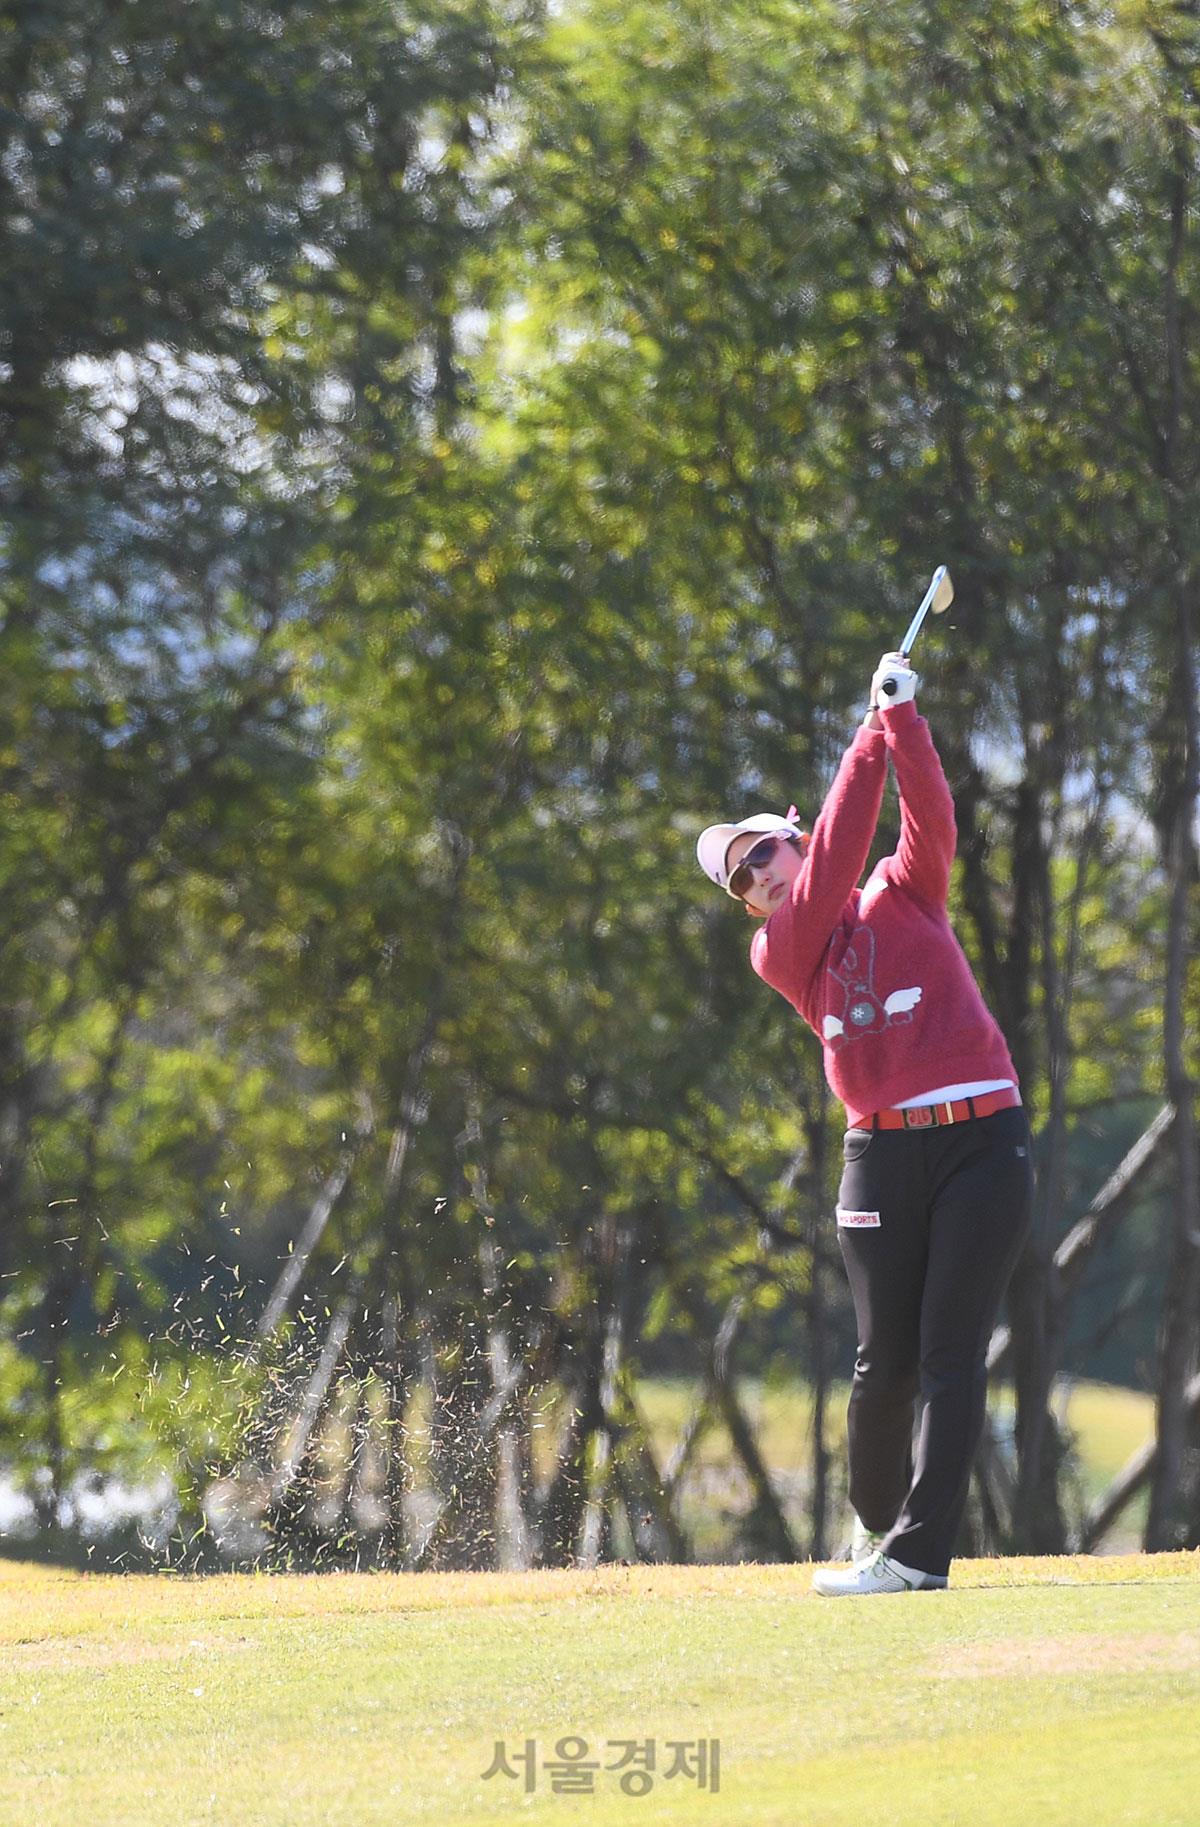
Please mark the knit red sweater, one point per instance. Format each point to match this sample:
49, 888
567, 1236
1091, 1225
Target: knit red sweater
877, 973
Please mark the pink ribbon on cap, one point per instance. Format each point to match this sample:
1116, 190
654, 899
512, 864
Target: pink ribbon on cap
792, 813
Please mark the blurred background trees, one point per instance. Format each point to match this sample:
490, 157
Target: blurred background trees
450, 453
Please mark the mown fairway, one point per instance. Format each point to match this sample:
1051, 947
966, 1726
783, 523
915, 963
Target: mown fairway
1058, 1692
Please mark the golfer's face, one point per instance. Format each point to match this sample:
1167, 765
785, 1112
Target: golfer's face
773, 879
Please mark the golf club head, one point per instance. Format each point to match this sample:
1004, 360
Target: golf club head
943, 596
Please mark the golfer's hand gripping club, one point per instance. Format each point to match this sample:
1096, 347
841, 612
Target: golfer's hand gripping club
895, 682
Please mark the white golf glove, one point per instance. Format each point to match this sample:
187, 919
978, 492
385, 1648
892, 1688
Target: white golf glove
903, 682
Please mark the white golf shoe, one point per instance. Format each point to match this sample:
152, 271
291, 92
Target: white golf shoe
878, 1574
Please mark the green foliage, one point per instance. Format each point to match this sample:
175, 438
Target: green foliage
450, 456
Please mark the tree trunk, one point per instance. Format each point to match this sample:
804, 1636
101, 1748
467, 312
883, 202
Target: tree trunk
596, 1529
657, 1535
463, 1460
1166, 1522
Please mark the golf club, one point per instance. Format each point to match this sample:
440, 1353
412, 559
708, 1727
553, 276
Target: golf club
938, 597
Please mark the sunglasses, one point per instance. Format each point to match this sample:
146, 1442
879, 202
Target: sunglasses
757, 857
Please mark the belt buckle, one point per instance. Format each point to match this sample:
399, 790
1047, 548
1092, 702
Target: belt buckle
921, 1116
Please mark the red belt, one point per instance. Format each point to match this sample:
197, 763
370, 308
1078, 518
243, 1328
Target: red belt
935, 1116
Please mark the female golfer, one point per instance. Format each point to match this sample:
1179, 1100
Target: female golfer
936, 1191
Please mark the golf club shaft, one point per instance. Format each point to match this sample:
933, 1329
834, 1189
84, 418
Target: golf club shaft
914, 627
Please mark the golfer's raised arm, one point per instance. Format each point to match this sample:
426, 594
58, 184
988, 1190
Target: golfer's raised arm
928, 834
790, 945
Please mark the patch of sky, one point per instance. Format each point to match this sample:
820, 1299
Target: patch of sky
95, 1507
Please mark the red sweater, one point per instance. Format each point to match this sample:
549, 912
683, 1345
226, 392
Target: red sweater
877, 973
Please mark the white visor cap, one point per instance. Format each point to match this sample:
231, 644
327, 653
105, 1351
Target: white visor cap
712, 846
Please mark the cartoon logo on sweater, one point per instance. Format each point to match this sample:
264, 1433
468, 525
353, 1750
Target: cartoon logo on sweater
863, 1011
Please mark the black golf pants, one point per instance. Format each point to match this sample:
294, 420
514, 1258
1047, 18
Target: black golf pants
930, 1224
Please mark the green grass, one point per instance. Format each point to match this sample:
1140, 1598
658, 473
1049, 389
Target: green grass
1110, 1425
1060, 1691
